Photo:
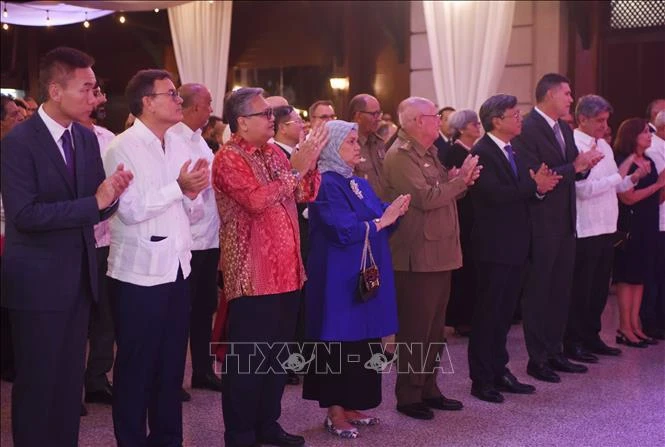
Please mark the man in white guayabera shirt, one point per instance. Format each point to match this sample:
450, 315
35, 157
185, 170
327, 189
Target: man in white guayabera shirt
597, 214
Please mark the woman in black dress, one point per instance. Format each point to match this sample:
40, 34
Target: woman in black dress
638, 218
466, 130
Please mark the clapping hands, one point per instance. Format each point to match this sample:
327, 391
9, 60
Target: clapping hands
545, 179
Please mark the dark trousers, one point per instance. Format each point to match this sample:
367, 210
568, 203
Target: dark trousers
652, 312
591, 284
252, 395
100, 330
463, 294
547, 295
49, 350
203, 290
422, 298
498, 288
151, 335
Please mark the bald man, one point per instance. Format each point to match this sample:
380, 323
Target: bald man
366, 111
425, 249
196, 110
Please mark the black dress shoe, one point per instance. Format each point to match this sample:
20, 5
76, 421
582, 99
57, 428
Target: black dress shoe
283, 439
417, 410
508, 383
623, 340
542, 371
101, 396
184, 395
578, 353
207, 381
443, 403
647, 340
561, 363
599, 347
487, 393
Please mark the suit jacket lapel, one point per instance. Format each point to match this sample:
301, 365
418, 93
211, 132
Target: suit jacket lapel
79, 156
503, 161
548, 132
52, 151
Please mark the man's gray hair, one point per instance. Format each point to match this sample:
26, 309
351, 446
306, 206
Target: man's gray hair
236, 105
494, 107
591, 106
460, 119
409, 109
660, 119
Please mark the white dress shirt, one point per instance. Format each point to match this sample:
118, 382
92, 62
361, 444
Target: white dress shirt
657, 153
205, 232
56, 130
550, 122
102, 230
596, 196
150, 232
502, 145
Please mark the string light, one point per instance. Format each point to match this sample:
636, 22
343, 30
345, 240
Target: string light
122, 19
5, 26
86, 24
156, 10
4, 12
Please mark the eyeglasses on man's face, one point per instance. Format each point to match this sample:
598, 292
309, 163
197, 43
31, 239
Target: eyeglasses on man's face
516, 114
267, 114
172, 93
375, 115
432, 115
297, 121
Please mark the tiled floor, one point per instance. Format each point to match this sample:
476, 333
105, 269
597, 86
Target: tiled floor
619, 402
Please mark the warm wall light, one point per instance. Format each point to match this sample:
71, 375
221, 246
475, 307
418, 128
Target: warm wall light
339, 83
156, 10
122, 19
5, 26
86, 24
4, 11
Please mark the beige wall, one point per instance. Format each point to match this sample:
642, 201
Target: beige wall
538, 45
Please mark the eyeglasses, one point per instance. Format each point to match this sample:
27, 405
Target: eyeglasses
376, 114
172, 93
516, 115
325, 117
295, 122
436, 115
267, 114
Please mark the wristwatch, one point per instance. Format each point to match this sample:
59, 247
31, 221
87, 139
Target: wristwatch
377, 221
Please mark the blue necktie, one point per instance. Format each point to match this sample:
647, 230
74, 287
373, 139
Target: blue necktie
68, 148
511, 158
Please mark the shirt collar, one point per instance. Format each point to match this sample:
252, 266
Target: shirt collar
499, 142
285, 146
420, 149
54, 128
247, 146
144, 134
549, 120
586, 139
185, 131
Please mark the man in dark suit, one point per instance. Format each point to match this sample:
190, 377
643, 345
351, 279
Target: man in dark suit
54, 191
545, 138
501, 236
444, 141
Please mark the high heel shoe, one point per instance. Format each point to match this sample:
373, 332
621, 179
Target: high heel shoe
364, 421
621, 339
647, 340
347, 433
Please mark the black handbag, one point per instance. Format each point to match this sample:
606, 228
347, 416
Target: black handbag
368, 282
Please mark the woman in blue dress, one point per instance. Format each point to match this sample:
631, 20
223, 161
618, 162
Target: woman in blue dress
344, 377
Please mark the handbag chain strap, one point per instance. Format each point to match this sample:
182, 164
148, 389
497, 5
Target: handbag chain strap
367, 250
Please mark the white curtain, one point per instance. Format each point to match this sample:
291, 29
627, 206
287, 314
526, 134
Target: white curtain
201, 32
468, 44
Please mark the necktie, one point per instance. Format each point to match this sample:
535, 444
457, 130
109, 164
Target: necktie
68, 148
511, 158
559, 139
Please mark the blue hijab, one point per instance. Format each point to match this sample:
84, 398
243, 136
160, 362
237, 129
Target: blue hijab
329, 160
